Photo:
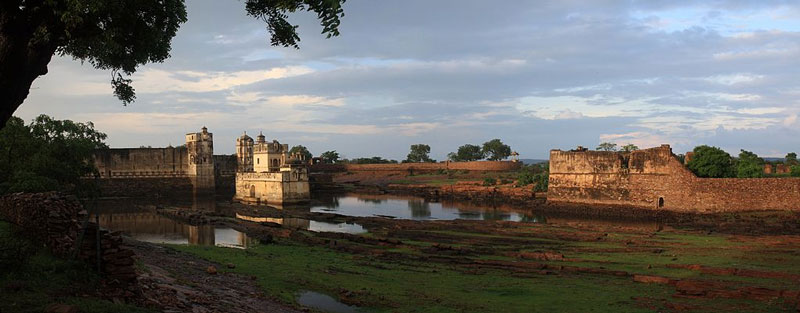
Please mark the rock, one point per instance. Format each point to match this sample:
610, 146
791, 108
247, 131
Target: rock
231, 265
61, 308
211, 270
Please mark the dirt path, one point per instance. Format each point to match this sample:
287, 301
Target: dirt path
179, 282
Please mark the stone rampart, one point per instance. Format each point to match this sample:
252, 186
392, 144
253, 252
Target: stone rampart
142, 162
420, 167
55, 220
655, 178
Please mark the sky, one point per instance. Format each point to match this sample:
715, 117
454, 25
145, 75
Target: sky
538, 75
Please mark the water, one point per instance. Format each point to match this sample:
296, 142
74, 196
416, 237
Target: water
348, 228
419, 209
151, 227
323, 303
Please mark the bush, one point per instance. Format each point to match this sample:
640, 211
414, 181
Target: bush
541, 181
489, 181
795, 171
505, 181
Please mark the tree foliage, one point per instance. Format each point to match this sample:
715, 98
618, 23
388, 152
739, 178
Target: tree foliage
48, 155
117, 36
536, 175
791, 159
607, 146
629, 147
372, 160
466, 153
330, 157
749, 165
496, 150
419, 153
711, 162
302, 150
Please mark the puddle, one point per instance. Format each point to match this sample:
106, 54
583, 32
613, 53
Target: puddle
348, 228
324, 303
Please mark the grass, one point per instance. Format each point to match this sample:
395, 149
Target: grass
403, 285
36, 279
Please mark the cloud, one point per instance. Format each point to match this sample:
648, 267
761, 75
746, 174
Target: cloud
160, 81
538, 77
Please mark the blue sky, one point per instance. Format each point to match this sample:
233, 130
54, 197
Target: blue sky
538, 75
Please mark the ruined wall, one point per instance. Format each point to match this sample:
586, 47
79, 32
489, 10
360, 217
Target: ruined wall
142, 162
146, 172
654, 178
405, 167
54, 220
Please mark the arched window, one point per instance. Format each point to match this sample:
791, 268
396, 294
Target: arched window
660, 202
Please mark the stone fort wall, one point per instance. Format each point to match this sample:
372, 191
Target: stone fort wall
156, 171
655, 178
405, 167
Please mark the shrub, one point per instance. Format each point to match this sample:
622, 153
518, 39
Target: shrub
541, 180
795, 171
489, 181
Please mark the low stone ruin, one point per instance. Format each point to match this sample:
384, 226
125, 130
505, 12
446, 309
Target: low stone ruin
55, 220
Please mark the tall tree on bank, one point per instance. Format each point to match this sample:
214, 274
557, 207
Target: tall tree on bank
117, 36
467, 153
419, 153
711, 162
496, 150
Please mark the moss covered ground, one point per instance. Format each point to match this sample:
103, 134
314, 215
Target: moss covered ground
415, 277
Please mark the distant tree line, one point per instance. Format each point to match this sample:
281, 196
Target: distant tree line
714, 162
492, 150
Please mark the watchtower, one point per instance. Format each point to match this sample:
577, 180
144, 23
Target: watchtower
200, 147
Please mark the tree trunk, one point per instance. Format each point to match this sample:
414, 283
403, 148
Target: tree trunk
21, 62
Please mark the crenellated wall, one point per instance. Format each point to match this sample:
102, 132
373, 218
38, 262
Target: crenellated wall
655, 178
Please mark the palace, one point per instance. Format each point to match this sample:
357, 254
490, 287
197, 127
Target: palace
266, 173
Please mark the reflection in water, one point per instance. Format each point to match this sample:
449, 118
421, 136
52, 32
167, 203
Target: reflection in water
323, 303
151, 227
348, 228
419, 208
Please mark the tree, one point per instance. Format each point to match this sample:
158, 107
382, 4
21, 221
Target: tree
419, 153
749, 165
466, 152
607, 146
496, 150
711, 162
791, 159
117, 36
48, 155
330, 157
629, 147
302, 150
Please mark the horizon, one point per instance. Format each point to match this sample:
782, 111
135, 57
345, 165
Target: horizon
538, 77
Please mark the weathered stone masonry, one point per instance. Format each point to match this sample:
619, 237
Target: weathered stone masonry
154, 171
655, 178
